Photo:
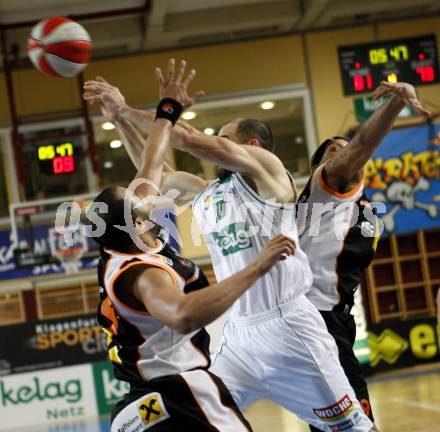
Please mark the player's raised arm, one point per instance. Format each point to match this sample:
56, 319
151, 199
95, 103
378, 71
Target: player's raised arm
346, 167
185, 313
112, 104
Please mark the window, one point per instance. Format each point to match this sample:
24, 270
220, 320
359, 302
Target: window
54, 162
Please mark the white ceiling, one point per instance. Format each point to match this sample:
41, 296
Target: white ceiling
178, 23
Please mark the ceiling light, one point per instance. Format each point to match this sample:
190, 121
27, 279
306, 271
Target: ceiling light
189, 115
115, 144
268, 105
209, 131
108, 126
108, 164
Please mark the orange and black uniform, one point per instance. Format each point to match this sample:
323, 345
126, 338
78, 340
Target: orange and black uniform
170, 386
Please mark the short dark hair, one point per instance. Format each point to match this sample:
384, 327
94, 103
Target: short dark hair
319, 152
112, 238
249, 128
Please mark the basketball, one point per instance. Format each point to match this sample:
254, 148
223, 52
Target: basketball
59, 46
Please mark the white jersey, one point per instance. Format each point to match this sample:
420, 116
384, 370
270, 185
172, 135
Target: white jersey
140, 346
237, 223
338, 239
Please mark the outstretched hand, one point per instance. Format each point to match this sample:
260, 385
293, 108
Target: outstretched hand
108, 97
174, 86
404, 91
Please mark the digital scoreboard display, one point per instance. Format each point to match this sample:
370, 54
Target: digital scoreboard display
57, 159
412, 60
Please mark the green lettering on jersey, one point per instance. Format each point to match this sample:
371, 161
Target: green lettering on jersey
219, 205
233, 238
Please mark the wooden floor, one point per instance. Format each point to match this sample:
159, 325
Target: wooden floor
408, 402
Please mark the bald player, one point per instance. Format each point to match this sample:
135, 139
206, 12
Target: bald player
154, 304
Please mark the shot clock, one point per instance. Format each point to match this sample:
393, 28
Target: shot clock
411, 60
57, 158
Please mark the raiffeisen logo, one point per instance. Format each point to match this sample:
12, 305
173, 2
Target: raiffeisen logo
35, 390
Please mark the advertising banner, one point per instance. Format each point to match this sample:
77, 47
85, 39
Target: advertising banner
402, 344
44, 397
52, 343
8, 269
404, 173
109, 390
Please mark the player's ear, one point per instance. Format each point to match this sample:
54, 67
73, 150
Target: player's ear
254, 142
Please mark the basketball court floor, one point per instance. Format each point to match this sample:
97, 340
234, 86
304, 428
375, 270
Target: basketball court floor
404, 402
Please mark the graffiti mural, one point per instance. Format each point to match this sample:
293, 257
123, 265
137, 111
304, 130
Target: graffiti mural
404, 173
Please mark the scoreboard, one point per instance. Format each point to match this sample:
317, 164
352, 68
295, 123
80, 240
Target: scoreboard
412, 60
57, 159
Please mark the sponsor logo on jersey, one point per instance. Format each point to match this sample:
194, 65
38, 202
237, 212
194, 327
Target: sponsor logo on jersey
164, 259
152, 409
333, 412
207, 202
367, 229
340, 427
185, 263
232, 239
219, 205
232, 190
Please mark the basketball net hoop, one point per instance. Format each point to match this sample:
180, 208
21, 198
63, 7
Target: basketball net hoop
68, 255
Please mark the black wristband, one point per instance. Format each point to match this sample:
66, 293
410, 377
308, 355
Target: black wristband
169, 109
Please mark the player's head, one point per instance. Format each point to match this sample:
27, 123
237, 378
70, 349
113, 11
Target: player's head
327, 150
248, 131
116, 201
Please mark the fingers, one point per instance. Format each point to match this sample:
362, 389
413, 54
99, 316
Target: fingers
101, 79
415, 103
96, 86
159, 76
92, 98
380, 91
197, 95
387, 84
283, 244
171, 65
181, 71
189, 78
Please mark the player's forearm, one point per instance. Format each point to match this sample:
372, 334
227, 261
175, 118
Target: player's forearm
153, 156
350, 161
133, 141
200, 308
377, 127
140, 118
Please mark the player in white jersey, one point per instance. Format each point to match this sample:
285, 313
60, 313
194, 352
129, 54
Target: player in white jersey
275, 343
339, 231
154, 304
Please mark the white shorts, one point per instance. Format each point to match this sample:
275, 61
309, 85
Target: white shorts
287, 355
